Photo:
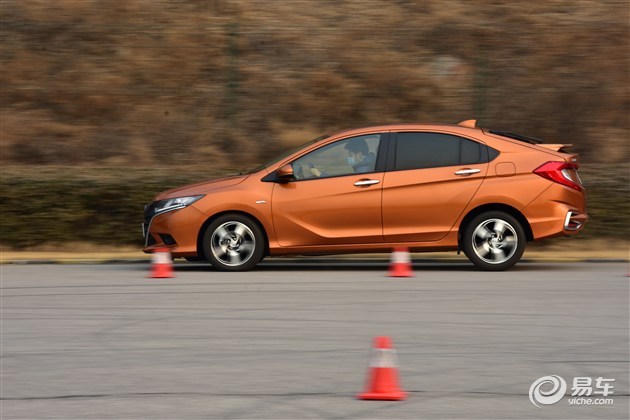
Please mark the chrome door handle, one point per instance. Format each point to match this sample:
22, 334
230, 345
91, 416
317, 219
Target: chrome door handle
366, 182
466, 172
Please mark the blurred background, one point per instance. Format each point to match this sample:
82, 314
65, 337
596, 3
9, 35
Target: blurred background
105, 103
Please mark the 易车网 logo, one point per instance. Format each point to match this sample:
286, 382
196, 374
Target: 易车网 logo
550, 389
539, 392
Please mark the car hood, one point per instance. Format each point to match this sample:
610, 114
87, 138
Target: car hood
201, 187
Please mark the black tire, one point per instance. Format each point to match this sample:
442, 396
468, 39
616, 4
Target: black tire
493, 241
233, 242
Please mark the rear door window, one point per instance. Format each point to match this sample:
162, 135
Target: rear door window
434, 150
471, 152
426, 150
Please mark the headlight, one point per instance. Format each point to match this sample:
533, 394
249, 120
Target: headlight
175, 203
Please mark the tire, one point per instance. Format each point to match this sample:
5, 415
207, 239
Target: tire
233, 242
493, 241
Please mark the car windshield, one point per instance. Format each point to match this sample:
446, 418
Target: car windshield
285, 154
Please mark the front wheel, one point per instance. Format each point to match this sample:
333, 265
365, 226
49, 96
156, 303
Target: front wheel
233, 243
494, 241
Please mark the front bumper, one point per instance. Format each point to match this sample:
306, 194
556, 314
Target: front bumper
177, 230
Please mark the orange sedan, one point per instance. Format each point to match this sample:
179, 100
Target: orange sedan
425, 187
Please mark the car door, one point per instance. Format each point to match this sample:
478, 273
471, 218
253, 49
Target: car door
431, 179
332, 201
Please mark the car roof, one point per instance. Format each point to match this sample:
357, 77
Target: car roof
406, 126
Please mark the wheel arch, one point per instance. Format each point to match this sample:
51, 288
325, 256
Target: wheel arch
529, 235
210, 219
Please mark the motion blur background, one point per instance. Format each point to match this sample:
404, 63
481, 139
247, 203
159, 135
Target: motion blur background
105, 103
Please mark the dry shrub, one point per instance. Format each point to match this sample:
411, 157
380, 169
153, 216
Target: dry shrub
142, 82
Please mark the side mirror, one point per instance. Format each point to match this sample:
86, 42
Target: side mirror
285, 173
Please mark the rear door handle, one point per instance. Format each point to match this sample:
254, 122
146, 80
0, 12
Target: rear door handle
466, 172
366, 182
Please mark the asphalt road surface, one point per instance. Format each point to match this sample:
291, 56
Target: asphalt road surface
293, 341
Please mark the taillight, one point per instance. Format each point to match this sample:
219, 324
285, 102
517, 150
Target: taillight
559, 172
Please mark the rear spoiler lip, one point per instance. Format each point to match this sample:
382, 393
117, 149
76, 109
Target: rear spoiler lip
554, 147
574, 159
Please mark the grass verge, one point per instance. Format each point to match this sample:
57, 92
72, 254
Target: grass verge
47, 206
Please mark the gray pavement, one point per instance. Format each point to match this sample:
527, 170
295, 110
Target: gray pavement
292, 341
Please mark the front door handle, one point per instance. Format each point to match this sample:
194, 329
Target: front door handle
466, 172
366, 182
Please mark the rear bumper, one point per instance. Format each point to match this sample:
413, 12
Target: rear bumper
574, 221
566, 221
559, 211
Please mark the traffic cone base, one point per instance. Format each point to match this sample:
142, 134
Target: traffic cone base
394, 396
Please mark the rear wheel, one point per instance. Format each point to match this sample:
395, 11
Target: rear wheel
233, 242
494, 241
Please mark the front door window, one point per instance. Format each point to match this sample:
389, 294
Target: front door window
355, 155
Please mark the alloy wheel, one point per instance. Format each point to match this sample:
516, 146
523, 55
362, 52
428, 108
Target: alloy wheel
233, 243
494, 241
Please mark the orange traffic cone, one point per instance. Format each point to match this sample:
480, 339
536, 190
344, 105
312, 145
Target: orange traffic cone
161, 264
400, 265
383, 376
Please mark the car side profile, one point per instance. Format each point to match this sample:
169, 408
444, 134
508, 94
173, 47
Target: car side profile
427, 187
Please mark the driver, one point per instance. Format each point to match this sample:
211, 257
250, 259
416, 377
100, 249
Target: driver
359, 156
